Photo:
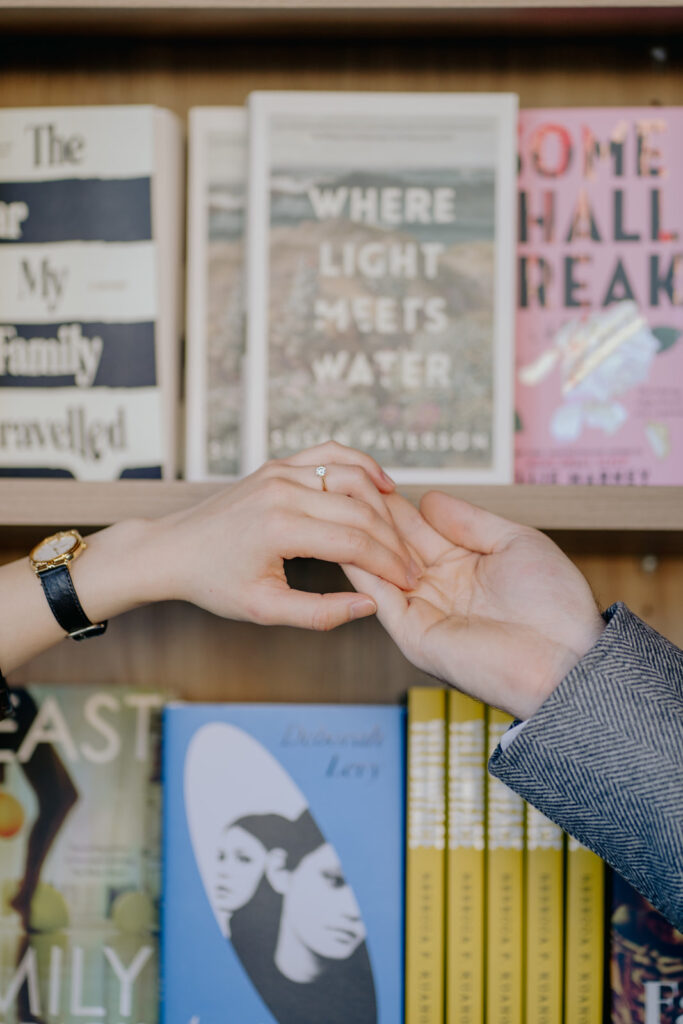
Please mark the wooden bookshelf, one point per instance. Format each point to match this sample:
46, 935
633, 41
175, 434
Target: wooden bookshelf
628, 541
520, 19
45, 503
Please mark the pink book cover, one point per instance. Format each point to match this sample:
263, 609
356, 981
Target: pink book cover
599, 354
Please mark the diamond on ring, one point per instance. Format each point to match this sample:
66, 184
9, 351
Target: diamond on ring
321, 471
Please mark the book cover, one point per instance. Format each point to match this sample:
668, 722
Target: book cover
504, 891
465, 859
584, 935
80, 855
425, 855
599, 361
380, 279
646, 960
90, 249
215, 291
544, 919
283, 863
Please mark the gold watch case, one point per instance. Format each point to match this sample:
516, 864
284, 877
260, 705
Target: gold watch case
65, 545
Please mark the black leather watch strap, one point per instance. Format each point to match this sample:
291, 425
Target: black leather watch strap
6, 707
66, 608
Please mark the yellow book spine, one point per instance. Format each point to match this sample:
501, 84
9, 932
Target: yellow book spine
466, 779
504, 891
585, 935
425, 856
544, 919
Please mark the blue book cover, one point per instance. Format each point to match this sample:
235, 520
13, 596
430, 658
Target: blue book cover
283, 864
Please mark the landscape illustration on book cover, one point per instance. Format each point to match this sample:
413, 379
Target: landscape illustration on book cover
215, 314
80, 822
376, 235
282, 889
599, 392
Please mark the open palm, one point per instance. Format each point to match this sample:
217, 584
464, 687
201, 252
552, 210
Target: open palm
499, 611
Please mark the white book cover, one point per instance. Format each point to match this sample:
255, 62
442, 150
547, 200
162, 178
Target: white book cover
90, 297
215, 291
380, 277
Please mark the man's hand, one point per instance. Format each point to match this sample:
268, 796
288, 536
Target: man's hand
499, 611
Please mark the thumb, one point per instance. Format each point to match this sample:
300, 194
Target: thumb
316, 611
467, 525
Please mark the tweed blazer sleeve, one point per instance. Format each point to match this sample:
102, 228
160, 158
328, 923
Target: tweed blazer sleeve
603, 757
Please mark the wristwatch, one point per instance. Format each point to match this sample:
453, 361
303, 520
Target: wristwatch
50, 561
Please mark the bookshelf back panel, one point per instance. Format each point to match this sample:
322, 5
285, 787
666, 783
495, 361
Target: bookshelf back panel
553, 71
191, 654
187, 652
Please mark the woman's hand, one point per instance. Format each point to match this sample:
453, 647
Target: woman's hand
499, 611
227, 554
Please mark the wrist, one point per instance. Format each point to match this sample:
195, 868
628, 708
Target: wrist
564, 658
118, 572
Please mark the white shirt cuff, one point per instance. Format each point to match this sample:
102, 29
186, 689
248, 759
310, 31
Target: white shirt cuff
507, 737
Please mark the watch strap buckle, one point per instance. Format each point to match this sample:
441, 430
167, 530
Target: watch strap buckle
94, 629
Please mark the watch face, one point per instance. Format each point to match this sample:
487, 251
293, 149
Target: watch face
53, 547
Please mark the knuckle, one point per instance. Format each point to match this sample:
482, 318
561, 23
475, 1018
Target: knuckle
275, 490
321, 620
360, 477
257, 613
277, 524
357, 541
366, 517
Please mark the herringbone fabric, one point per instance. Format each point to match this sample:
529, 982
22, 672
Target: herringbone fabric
603, 757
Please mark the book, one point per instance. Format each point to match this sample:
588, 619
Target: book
584, 935
599, 361
504, 891
425, 885
90, 251
645, 960
544, 919
80, 813
217, 180
283, 863
465, 859
380, 279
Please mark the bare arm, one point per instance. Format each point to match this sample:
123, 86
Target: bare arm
227, 554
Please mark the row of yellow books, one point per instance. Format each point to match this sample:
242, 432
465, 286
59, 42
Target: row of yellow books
504, 913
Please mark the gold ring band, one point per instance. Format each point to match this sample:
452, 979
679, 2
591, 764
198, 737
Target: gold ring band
321, 471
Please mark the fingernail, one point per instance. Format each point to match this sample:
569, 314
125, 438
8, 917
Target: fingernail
387, 479
364, 606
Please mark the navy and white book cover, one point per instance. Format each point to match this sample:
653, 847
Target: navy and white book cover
283, 864
81, 305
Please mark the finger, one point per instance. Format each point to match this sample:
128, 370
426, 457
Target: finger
416, 531
391, 602
334, 452
342, 509
467, 525
314, 611
305, 537
353, 481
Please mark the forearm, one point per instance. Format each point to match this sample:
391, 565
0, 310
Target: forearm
603, 757
118, 571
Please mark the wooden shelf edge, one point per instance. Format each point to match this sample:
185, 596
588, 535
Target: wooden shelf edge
58, 503
263, 17
331, 5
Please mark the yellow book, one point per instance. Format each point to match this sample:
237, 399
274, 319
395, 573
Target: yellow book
585, 935
465, 860
504, 891
544, 919
425, 856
